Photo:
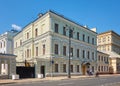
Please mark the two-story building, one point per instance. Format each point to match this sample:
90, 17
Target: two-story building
103, 63
45, 44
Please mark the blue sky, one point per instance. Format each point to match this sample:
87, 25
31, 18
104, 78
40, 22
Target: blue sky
102, 14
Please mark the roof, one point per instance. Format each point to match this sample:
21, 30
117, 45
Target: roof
102, 52
50, 11
112, 54
2, 54
110, 31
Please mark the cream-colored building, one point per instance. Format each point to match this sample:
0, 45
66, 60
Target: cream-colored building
45, 43
103, 62
109, 43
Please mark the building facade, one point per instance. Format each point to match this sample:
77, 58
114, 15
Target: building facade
6, 42
103, 62
45, 42
109, 43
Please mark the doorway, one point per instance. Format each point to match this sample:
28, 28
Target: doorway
25, 72
83, 69
43, 70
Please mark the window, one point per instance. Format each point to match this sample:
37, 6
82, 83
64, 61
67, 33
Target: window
36, 32
64, 67
56, 28
98, 68
92, 68
93, 41
78, 35
56, 48
78, 68
16, 45
1, 44
56, 67
64, 31
107, 59
108, 38
92, 55
20, 42
71, 68
77, 52
64, 50
4, 43
99, 58
88, 55
83, 53
71, 53
102, 58
27, 53
44, 49
104, 39
27, 35
83, 37
101, 68
36, 51
88, 39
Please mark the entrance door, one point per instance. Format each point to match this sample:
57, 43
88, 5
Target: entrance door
43, 71
83, 69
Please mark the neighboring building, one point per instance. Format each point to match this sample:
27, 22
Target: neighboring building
44, 44
109, 43
6, 42
7, 65
103, 62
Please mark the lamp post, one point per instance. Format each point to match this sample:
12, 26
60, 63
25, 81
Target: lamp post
69, 62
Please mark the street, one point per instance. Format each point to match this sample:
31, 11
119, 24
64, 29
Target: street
92, 81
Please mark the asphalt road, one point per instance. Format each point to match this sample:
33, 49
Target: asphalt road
101, 81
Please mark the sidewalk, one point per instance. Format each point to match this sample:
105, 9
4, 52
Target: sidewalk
10, 81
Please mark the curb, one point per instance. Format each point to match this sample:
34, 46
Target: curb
48, 79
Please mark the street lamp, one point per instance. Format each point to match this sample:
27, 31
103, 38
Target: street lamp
69, 62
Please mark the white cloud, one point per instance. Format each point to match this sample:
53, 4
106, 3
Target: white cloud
16, 27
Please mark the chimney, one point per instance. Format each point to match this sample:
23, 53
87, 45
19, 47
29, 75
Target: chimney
94, 29
86, 26
40, 15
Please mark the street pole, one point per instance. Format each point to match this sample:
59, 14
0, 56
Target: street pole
69, 62
51, 62
51, 65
